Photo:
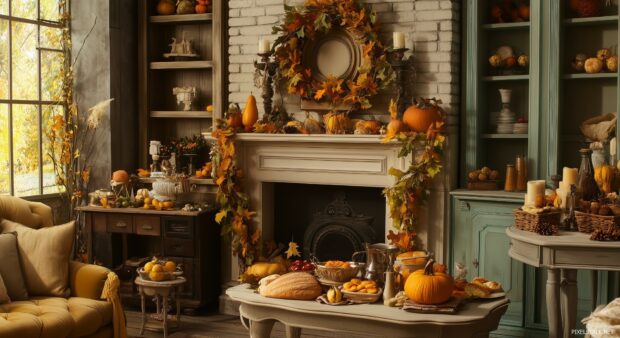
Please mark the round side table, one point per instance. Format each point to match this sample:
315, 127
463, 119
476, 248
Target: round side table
161, 290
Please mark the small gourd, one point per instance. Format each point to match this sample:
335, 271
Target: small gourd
428, 287
250, 113
334, 295
165, 7
336, 122
605, 178
185, 7
593, 65
234, 119
202, 6
311, 125
420, 116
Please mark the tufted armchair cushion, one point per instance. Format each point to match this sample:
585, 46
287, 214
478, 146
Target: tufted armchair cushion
31, 214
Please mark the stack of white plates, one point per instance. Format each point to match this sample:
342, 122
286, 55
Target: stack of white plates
519, 128
505, 121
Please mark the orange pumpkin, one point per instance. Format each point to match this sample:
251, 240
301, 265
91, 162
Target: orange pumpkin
250, 114
336, 123
420, 116
166, 7
202, 6
428, 287
234, 118
120, 176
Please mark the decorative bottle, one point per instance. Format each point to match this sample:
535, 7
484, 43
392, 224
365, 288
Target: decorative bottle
586, 185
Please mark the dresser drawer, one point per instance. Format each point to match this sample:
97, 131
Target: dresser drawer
147, 225
179, 247
178, 227
120, 223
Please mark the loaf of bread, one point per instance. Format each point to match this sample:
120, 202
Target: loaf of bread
293, 285
476, 290
494, 286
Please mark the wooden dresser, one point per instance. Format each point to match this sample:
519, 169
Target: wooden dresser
189, 238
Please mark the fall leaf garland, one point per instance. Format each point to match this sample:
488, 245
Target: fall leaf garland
315, 18
411, 188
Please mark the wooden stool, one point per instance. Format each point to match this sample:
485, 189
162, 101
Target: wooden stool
161, 290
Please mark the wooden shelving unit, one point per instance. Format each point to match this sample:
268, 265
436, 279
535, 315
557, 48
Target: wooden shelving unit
578, 76
505, 26
504, 136
160, 115
524, 77
597, 20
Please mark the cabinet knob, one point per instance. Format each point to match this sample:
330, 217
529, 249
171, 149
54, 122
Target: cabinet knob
121, 225
147, 227
475, 263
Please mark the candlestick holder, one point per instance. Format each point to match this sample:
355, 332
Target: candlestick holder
268, 67
401, 68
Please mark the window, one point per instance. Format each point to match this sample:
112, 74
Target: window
31, 61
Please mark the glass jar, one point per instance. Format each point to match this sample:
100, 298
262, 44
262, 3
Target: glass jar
521, 168
511, 178
586, 185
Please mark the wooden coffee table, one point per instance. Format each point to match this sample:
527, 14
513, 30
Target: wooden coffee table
475, 319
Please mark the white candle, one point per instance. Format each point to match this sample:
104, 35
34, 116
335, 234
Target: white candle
612, 146
263, 46
534, 188
570, 175
399, 40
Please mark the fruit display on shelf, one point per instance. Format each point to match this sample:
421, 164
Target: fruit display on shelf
483, 179
507, 11
586, 8
605, 61
506, 62
158, 270
169, 7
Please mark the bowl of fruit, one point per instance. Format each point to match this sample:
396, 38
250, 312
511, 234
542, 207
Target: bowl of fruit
336, 271
302, 265
159, 270
483, 179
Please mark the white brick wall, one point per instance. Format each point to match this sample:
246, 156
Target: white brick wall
431, 26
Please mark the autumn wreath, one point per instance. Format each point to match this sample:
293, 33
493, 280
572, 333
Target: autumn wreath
316, 18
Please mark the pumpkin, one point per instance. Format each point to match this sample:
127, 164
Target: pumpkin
612, 63
250, 113
264, 269
367, 127
413, 257
587, 8
293, 285
202, 6
593, 65
420, 116
166, 7
336, 123
427, 287
235, 119
120, 176
605, 178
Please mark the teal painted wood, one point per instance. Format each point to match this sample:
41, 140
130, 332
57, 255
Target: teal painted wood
472, 105
534, 144
553, 110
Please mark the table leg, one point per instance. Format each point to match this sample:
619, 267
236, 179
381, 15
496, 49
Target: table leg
292, 332
569, 300
157, 304
594, 290
165, 314
178, 299
553, 303
143, 311
261, 329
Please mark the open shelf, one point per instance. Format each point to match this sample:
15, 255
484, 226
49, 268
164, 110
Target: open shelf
590, 76
593, 21
199, 64
523, 77
510, 25
181, 18
181, 114
505, 136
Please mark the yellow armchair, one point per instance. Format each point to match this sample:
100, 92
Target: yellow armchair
87, 280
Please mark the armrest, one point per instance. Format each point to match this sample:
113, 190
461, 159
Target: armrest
87, 280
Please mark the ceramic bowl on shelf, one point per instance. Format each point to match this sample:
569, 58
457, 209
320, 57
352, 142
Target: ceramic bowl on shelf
505, 128
165, 190
520, 128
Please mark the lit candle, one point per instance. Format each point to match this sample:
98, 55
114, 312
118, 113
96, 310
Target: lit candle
399, 40
569, 176
263, 46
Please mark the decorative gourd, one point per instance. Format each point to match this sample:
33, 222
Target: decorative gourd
141, 194
250, 113
234, 116
293, 285
605, 178
311, 125
593, 65
396, 125
334, 295
185, 7
120, 176
166, 7
367, 127
420, 116
336, 123
202, 6
612, 63
264, 269
428, 287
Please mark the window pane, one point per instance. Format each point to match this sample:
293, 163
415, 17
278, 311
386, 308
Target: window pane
25, 61
4, 59
49, 10
26, 149
49, 178
4, 7
5, 183
24, 9
50, 37
51, 81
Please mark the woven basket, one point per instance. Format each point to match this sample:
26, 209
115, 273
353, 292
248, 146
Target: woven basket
587, 223
532, 222
336, 274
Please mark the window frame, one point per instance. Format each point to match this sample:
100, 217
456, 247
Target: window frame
40, 103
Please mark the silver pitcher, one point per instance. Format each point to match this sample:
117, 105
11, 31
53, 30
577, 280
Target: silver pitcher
379, 259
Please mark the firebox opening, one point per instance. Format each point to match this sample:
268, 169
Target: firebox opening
331, 222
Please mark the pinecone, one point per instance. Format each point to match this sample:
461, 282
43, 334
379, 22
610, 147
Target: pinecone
546, 229
600, 235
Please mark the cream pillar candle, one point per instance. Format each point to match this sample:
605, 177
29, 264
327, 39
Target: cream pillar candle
534, 188
570, 175
263, 46
399, 40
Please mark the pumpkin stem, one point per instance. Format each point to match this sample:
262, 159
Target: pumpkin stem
428, 269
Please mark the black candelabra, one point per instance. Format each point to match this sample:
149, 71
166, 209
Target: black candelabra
268, 67
401, 68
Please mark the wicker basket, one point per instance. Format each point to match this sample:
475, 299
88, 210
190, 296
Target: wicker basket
587, 223
336, 274
532, 222
362, 298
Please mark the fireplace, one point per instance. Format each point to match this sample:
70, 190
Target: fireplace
324, 220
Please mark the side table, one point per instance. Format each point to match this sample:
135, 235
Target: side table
562, 255
161, 290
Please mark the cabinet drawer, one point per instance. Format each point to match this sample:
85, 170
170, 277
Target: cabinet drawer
179, 227
178, 247
120, 223
147, 225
